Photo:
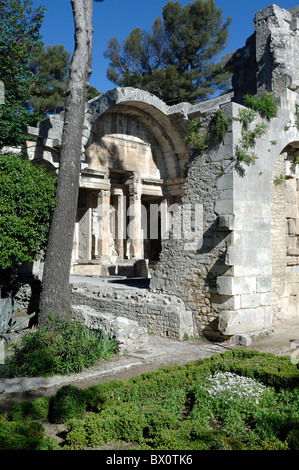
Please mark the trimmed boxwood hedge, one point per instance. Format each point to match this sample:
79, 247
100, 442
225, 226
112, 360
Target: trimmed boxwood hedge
166, 409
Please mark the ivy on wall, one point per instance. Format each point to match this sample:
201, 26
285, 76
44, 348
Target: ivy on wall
202, 137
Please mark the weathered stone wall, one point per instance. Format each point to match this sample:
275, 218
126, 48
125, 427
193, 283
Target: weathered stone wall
238, 262
278, 238
128, 333
269, 60
192, 269
285, 233
163, 315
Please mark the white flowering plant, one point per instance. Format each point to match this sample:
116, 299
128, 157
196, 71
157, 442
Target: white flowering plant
230, 386
230, 400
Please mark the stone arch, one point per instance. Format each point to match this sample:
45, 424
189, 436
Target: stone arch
146, 107
135, 156
138, 128
49, 165
285, 234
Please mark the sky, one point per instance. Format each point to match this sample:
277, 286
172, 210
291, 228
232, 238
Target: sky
117, 18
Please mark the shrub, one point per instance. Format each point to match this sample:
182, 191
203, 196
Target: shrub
37, 409
185, 407
68, 403
27, 200
24, 435
122, 422
60, 347
127, 422
271, 370
264, 105
293, 439
166, 385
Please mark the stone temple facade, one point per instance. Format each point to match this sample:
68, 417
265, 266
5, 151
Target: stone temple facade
218, 239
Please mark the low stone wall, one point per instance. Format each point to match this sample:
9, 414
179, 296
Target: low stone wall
128, 333
161, 314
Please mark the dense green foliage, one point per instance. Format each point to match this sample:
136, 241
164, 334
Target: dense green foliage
60, 347
27, 200
68, 403
239, 400
23, 435
264, 105
177, 59
19, 38
92, 92
35, 78
202, 138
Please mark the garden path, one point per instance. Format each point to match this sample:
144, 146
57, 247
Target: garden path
160, 352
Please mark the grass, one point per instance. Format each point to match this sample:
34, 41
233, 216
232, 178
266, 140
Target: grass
239, 400
60, 347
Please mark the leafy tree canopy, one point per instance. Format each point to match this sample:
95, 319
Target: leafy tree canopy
27, 200
92, 92
19, 38
177, 59
51, 66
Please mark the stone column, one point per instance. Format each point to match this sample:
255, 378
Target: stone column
75, 253
120, 228
83, 232
165, 219
135, 235
105, 240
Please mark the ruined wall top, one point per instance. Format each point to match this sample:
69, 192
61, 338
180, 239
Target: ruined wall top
269, 60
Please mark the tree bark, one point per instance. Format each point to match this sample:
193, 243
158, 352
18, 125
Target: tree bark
56, 295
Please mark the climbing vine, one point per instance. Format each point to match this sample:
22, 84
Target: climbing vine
266, 108
249, 136
265, 105
204, 137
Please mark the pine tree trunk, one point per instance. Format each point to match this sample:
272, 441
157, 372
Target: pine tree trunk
56, 295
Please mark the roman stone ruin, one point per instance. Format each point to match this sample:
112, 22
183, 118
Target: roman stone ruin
216, 238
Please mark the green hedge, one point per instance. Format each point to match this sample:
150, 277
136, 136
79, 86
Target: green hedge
172, 409
24, 435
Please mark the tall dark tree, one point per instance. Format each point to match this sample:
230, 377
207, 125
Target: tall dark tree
56, 295
50, 66
19, 38
177, 59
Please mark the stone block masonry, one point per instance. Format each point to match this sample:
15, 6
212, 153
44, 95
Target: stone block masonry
128, 333
164, 315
